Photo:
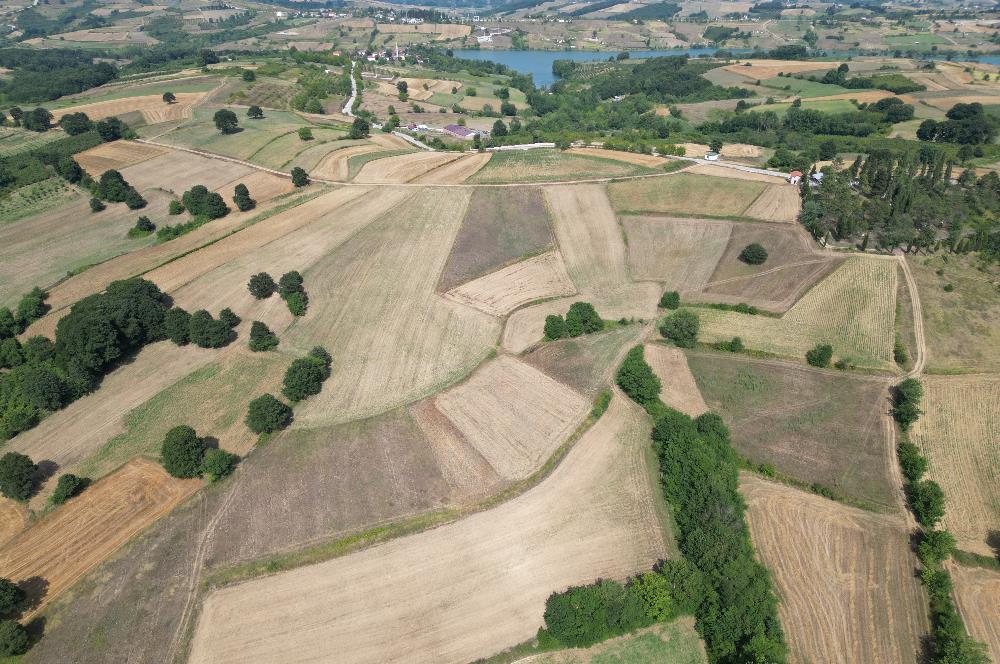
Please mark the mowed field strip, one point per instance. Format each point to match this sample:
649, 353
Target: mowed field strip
460, 591
404, 167
959, 433
844, 577
74, 538
503, 291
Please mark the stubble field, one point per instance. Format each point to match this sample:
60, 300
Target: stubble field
685, 194
500, 292
976, 592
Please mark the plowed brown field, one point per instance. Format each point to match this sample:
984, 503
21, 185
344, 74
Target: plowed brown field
502, 291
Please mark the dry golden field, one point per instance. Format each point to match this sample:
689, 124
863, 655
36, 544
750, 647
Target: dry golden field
647, 160
13, 519
115, 155
404, 167
678, 387
455, 172
685, 193
152, 107
500, 292
779, 202
976, 593
682, 253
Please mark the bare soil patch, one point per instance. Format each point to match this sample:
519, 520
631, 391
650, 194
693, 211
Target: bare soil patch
844, 577
502, 291
678, 387
976, 592
682, 253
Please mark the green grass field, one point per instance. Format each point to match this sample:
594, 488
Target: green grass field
698, 195
13, 141
551, 166
672, 643
285, 148
36, 198
802, 87
255, 135
917, 41
830, 106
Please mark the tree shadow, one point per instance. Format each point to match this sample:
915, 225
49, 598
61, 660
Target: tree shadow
35, 589
211, 442
44, 470
993, 541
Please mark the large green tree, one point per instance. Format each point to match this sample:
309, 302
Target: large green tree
182, 452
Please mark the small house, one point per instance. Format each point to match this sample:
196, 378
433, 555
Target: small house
712, 156
795, 177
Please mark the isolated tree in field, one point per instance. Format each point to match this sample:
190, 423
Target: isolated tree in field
134, 200
218, 464
820, 355
144, 225
681, 327
359, 128
262, 338
262, 286
111, 129
75, 123
555, 326
753, 254
636, 378
68, 486
206, 332
229, 318
13, 639
305, 376
670, 300
402, 86
182, 452
169, 97
249, 76
582, 318
11, 597
96, 205
177, 325
225, 121
265, 414
255, 112
508, 109
290, 282
305, 134
299, 177
17, 475
199, 201
499, 129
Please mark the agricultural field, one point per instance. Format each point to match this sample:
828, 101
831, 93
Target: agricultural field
679, 390
675, 642
35, 199
14, 140
404, 167
647, 160
959, 433
502, 291
254, 135
685, 194
845, 576
551, 166
152, 108
975, 595
585, 363
115, 155
795, 87
681, 253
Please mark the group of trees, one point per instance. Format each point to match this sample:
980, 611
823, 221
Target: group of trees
47, 74
967, 124
201, 202
581, 318
109, 129
681, 328
19, 479
113, 188
289, 287
29, 308
241, 196
636, 378
184, 454
925, 497
303, 378
200, 328
13, 637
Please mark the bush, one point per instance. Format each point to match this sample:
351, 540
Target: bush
241, 196
670, 300
177, 324
96, 205
585, 615
753, 254
68, 486
926, 502
13, 639
17, 476
899, 353
225, 121
911, 461
134, 200
290, 282
182, 452
305, 376
206, 332
906, 399
305, 134
299, 177
681, 327
228, 318
636, 378
11, 597
201, 202
267, 414
297, 303
262, 338
820, 355
175, 207
555, 326
261, 285
143, 227
582, 318
218, 464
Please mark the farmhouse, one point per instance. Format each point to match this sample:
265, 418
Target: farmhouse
460, 131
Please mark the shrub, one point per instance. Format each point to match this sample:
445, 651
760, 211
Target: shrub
636, 378
582, 318
899, 353
177, 324
926, 502
261, 285
585, 615
218, 464
17, 475
262, 338
305, 376
305, 134
206, 332
290, 282
11, 597
175, 207
241, 196
13, 639
911, 461
906, 397
670, 300
31, 307
267, 414
736, 345
134, 200
601, 404
681, 327
299, 177
753, 254
143, 227
68, 486
820, 355
555, 326
182, 452
297, 303
228, 318
96, 205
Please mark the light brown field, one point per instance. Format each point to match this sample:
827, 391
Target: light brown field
730, 150
945, 103
844, 577
403, 167
678, 387
500, 292
13, 519
390, 141
455, 172
959, 433
861, 96
415, 86
263, 187
178, 171
761, 69
513, 414
459, 591
734, 173
115, 155
336, 165
152, 107
78, 536
976, 593
442, 30
638, 158
682, 253
779, 202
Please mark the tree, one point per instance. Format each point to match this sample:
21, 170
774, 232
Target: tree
175, 207
305, 134
39, 119
182, 452
290, 282
265, 414
670, 300
582, 318
177, 324
681, 327
249, 76
75, 123
225, 121
255, 112
113, 187
134, 200
31, 307
13, 638
636, 378
555, 326
169, 98
507, 108
715, 145
926, 501
68, 486
297, 303
17, 475
820, 355
38, 349
242, 198
359, 128
499, 129
69, 170
17, 115
217, 464
207, 332
753, 254
11, 597
261, 285
144, 226
402, 87
305, 376
111, 129
299, 177
262, 338
11, 354
229, 318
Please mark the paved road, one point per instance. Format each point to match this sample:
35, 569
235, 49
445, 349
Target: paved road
348, 109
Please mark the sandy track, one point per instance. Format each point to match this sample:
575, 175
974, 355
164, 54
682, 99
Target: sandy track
648, 160
151, 106
976, 593
500, 292
75, 538
735, 173
513, 414
13, 519
336, 165
779, 202
403, 167
459, 591
679, 389
457, 171
844, 576
115, 155
682, 253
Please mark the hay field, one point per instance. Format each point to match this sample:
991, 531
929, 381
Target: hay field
761, 69
403, 168
844, 577
854, 309
959, 433
514, 415
459, 591
443, 31
678, 387
178, 171
779, 202
13, 519
976, 592
152, 107
550, 166
647, 160
682, 253
335, 166
281, 152
585, 364
456, 171
818, 427
685, 194
502, 291
115, 155
715, 170
75, 538
395, 339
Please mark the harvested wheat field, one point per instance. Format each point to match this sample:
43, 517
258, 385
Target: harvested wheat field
514, 415
681, 253
152, 107
959, 433
678, 387
336, 165
686, 193
551, 166
115, 155
945, 103
844, 576
455, 172
459, 591
13, 519
729, 150
779, 202
761, 69
733, 173
976, 593
502, 291
177, 171
854, 309
648, 160
403, 167
263, 186
75, 538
